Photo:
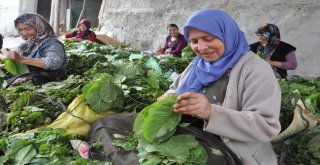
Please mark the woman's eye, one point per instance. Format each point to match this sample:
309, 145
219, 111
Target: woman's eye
208, 39
193, 41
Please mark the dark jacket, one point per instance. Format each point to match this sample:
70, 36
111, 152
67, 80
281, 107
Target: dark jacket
278, 55
1, 41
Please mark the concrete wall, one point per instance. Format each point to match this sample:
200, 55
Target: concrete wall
8, 12
141, 24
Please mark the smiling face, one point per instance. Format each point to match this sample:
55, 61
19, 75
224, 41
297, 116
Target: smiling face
27, 31
206, 46
173, 31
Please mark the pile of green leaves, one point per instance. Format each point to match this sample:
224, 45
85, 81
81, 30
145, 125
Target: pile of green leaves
179, 149
32, 110
141, 84
306, 90
174, 64
28, 106
304, 148
83, 55
44, 146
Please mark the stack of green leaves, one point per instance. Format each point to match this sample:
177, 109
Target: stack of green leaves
304, 148
44, 146
154, 128
157, 122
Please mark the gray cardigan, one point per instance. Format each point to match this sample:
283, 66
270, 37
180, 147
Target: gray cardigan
249, 116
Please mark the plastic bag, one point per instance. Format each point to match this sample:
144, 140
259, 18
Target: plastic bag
153, 64
302, 120
78, 118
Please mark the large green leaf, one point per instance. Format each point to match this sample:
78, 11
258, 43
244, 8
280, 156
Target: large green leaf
15, 67
137, 127
160, 121
103, 95
129, 69
25, 155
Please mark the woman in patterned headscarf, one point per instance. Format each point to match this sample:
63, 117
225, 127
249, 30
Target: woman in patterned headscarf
280, 55
42, 52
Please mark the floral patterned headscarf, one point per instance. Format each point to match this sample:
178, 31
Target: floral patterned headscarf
272, 34
44, 32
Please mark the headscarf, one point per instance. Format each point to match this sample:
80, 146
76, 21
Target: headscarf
84, 34
272, 34
44, 32
219, 24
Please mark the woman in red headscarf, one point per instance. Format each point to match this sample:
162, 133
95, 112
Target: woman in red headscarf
83, 32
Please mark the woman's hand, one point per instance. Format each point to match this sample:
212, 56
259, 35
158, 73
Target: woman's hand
194, 104
160, 51
74, 39
13, 55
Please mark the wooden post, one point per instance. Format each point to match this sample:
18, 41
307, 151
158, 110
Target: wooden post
52, 13
56, 17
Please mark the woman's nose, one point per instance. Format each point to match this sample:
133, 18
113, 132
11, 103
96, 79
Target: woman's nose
23, 32
202, 45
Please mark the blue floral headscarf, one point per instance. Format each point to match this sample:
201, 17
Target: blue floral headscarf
219, 24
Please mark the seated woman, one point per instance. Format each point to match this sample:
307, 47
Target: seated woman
280, 55
83, 32
175, 42
42, 52
222, 94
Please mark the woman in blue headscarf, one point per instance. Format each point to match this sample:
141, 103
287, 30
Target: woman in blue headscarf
232, 108
223, 91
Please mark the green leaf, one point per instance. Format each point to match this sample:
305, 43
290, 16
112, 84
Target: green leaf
187, 52
152, 161
2, 74
103, 95
129, 70
15, 67
25, 155
160, 121
3, 159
